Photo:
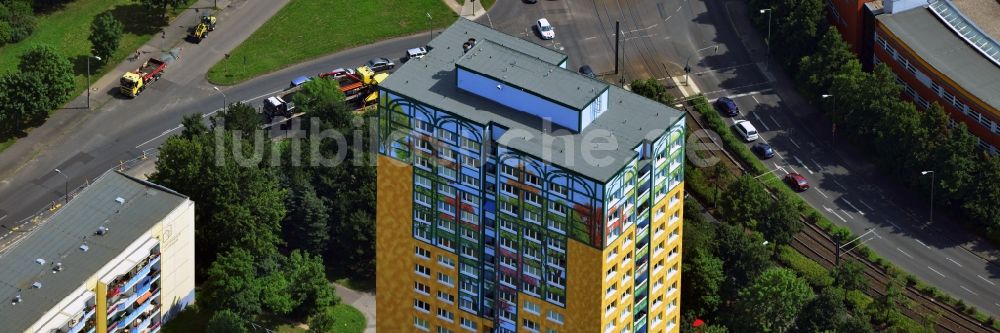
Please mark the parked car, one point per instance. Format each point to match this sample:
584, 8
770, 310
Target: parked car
530, 1
727, 106
298, 81
797, 182
746, 130
337, 73
416, 53
763, 150
380, 64
585, 70
545, 29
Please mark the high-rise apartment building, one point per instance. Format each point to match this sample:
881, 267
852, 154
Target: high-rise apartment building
119, 257
516, 195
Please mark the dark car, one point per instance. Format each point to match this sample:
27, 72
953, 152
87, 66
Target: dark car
585, 70
727, 106
797, 182
763, 150
530, 1
380, 64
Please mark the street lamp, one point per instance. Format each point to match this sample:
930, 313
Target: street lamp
225, 104
833, 128
924, 173
839, 246
88, 78
687, 63
66, 187
768, 59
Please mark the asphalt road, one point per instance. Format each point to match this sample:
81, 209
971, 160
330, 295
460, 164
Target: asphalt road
660, 37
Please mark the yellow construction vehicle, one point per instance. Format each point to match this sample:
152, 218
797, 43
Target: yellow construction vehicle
134, 82
201, 30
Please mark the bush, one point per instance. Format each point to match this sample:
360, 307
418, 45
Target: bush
857, 300
811, 271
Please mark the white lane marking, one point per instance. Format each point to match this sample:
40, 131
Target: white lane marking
761, 122
728, 68
970, 291
589, 38
954, 262
895, 225
866, 205
794, 143
678, 9
846, 213
935, 271
803, 165
160, 136
987, 281
817, 190
904, 253
852, 206
922, 243
839, 184
668, 18
775, 121
3, 217
831, 211
818, 167
744, 94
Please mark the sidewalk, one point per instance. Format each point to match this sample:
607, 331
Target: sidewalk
363, 301
469, 9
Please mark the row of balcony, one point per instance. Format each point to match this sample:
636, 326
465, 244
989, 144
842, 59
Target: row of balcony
127, 281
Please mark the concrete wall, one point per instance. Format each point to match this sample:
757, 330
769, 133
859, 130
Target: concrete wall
394, 248
177, 259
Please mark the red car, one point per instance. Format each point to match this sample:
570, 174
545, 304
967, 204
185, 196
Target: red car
797, 182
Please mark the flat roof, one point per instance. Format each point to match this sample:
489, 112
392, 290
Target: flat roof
948, 53
532, 74
59, 238
630, 118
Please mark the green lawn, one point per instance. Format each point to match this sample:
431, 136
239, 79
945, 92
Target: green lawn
306, 29
349, 319
67, 30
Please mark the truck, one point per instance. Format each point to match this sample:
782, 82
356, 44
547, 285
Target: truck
281, 104
359, 88
201, 30
134, 82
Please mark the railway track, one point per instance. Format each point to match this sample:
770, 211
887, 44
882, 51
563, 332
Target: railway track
816, 244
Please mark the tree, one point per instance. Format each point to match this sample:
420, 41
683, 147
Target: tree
817, 70
322, 322
772, 302
308, 286
194, 126
850, 275
52, 68
652, 89
239, 117
781, 222
324, 100
225, 321
43, 84
19, 17
105, 35
160, 6
702, 282
825, 313
232, 284
747, 201
885, 309
307, 223
743, 255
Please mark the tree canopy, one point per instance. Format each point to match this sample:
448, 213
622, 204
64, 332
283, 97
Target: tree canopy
772, 301
105, 35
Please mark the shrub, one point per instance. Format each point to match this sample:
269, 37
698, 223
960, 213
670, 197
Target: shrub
810, 270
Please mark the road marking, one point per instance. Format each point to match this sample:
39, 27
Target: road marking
668, 18
761, 122
804, 165
904, 253
954, 262
820, 192
895, 225
794, 143
678, 9
831, 211
848, 214
727, 68
970, 291
744, 94
839, 184
866, 205
731, 23
852, 205
589, 38
818, 167
987, 281
922, 243
775, 121
160, 136
935, 271
3, 217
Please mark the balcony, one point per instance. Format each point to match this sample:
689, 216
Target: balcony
140, 311
127, 281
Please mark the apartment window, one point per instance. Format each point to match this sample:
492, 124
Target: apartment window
508, 189
422, 125
422, 199
467, 303
447, 135
559, 189
531, 179
421, 181
557, 226
508, 225
421, 305
611, 289
446, 297
923, 103
446, 315
470, 144
445, 279
531, 307
446, 243
611, 271
470, 181
529, 288
468, 251
532, 198
469, 270
446, 207
446, 190
508, 208
422, 270
532, 217
555, 317
612, 254
555, 298
446, 262
470, 161
425, 145
530, 325
448, 154
532, 271
422, 288
421, 324
421, 252
531, 234
468, 324
508, 244
508, 170
557, 208
555, 244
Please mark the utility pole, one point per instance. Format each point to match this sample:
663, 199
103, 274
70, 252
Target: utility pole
932, 191
88, 78
66, 186
618, 36
768, 59
839, 246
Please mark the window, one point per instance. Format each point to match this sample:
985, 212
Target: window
470, 181
446, 297
508, 208
446, 315
557, 208
421, 324
423, 163
531, 179
422, 199
555, 244
446, 207
555, 317
447, 172
422, 270
555, 298
532, 198
559, 189
508, 189
445, 279
557, 226
531, 307
422, 288
447, 135
421, 252
421, 305
509, 171
532, 217
470, 161
532, 271
469, 270
467, 303
422, 125
425, 145
446, 262
468, 324
446, 243
468, 252
446, 190
611, 271
448, 154
611, 290
470, 144
531, 234
530, 325
421, 181
468, 286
